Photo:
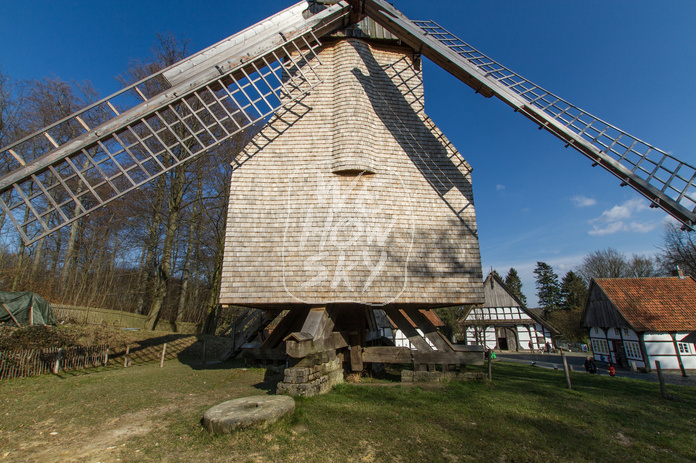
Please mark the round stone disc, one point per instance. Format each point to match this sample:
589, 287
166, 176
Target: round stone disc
259, 410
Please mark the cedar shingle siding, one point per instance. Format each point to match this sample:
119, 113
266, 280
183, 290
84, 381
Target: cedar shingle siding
353, 195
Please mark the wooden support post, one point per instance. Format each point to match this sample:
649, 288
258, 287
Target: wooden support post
405, 326
676, 351
565, 369
356, 353
164, 352
31, 315
490, 367
106, 356
10, 313
429, 330
661, 379
126, 359
56, 367
644, 351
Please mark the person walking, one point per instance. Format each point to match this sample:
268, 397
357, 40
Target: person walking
590, 365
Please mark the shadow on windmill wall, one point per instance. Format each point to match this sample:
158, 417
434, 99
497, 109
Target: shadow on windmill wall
282, 121
414, 133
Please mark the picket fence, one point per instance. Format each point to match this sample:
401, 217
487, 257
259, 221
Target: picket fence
24, 363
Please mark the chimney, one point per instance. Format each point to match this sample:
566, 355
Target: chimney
678, 272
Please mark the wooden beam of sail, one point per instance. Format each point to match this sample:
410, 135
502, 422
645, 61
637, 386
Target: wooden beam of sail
214, 96
663, 179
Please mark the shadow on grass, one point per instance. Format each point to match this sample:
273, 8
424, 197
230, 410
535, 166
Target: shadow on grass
187, 349
270, 381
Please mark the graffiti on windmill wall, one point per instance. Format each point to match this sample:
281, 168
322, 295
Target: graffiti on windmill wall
351, 240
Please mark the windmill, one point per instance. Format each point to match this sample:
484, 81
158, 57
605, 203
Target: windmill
380, 170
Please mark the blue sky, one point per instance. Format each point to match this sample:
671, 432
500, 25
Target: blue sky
630, 63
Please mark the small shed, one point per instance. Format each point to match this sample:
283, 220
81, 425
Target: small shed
25, 308
637, 321
504, 323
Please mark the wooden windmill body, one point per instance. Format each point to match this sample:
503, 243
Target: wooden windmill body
348, 202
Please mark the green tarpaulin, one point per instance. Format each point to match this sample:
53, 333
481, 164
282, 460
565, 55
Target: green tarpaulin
24, 309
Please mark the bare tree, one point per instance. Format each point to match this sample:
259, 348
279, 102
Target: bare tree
610, 263
607, 263
679, 250
642, 266
159, 249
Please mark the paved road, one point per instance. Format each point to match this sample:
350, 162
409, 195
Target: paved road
576, 362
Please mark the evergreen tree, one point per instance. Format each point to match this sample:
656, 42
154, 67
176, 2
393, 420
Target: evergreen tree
573, 291
514, 284
548, 289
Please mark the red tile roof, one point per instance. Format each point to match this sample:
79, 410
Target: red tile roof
654, 304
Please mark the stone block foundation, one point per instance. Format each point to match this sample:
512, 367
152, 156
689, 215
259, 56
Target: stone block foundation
312, 375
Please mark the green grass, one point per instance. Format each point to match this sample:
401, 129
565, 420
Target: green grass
144, 413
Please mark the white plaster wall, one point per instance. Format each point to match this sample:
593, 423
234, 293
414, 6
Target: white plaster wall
614, 333
660, 348
597, 332
630, 335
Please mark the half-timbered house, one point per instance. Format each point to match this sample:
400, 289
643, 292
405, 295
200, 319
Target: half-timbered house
504, 323
638, 321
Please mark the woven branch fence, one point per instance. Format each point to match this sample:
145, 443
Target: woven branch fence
24, 363
117, 319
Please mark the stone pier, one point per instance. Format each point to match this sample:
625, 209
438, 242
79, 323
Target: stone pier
313, 375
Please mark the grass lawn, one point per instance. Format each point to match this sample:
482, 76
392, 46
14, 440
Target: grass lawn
144, 413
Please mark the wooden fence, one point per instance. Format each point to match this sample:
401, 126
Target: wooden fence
24, 363
117, 319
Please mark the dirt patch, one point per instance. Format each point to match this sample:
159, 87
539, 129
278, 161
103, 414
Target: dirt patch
104, 443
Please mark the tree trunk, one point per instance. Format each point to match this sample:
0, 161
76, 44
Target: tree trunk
213, 300
186, 273
37, 259
164, 270
69, 256
20, 255
70, 251
145, 276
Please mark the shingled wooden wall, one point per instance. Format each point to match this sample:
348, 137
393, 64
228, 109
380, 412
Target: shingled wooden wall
352, 195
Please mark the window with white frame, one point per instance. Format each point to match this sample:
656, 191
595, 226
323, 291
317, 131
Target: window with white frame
600, 346
683, 348
632, 350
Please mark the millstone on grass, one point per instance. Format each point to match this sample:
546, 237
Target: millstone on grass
247, 411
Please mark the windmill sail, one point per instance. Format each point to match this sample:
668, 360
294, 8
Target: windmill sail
202, 101
665, 180
213, 95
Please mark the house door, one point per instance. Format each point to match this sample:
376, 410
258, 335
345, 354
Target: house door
620, 353
507, 338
